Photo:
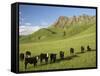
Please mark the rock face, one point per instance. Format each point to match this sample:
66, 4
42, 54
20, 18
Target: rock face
64, 21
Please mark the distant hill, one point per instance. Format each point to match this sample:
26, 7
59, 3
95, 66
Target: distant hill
64, 27
64, 21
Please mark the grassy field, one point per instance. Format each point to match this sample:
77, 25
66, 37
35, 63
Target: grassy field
45, 34
88, 59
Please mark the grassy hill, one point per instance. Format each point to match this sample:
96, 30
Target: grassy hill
81, 61
55, 33
55, 39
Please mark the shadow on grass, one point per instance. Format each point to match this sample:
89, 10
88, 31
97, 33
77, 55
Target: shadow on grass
66, 58
58, 60
86, 51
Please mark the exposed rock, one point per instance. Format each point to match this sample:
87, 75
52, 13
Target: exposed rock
64, 21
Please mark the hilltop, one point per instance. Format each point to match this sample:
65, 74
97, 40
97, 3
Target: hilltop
64, 27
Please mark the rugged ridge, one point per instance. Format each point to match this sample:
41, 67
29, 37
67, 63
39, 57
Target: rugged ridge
64, 27
64, 21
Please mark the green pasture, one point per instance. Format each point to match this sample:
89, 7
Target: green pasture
76, 36
83, 60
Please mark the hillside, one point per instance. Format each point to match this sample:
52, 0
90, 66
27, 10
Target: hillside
83, 38
61, 36
64, 27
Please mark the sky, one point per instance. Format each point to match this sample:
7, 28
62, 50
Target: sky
33, 17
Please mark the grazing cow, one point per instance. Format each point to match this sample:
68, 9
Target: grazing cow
53, 57
44, 56
82, 49
61, 55
28, 54
88, 48
71, 51
31, 60
21, 56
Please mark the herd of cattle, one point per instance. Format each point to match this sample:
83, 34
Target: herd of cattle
28, 59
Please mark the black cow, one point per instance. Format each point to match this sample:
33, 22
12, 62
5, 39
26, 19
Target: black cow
53, 57
61, 55
71, 51
31, 60
44, 56
82, 49
88, 48
21, 56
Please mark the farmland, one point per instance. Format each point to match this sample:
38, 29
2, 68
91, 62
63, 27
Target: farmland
84, 35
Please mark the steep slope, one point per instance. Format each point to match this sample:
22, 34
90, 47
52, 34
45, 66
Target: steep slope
64, 21
64, 27
42, 35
